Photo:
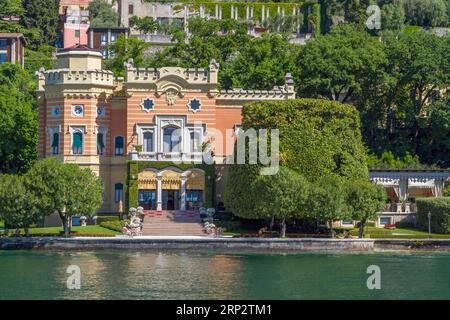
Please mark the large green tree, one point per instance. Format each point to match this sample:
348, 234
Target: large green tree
18, 118
341, 65
260, 64
123, 49
418, 65
18, 207
66, 189
327, 200
365, 199
393, 16
427, 13
317, 137
102, 14
281, 196
42, 15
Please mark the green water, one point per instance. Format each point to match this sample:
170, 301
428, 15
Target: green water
194, 275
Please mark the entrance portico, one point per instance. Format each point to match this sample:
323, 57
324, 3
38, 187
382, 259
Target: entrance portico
171, 189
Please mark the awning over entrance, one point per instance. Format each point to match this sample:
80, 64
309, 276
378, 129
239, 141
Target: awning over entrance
173, 184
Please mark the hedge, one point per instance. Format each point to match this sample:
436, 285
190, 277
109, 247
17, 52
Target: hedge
101, 219
113, 225
440, 214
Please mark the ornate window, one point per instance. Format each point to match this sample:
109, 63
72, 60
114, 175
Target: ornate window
194, 105
118, 192
119, 146
171, 139
147, 105
77, 142
78, 110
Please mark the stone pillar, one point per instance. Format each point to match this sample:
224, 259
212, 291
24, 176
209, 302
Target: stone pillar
159, 192
183, 193
232, 12
216, 12
438, 188
220, 12
262, 13
247, 13
91, 38
403, 189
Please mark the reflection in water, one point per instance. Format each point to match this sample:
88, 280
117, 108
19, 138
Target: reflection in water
209, 275
149, 275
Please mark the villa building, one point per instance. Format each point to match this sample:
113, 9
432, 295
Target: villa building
12, 48
133, 131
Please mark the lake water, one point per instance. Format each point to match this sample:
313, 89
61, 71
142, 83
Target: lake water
213, 275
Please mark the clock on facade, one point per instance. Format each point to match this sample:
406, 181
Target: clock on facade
78, 110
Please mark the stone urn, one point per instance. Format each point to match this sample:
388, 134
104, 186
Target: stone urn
83, 221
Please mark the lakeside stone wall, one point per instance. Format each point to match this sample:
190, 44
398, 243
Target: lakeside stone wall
256, 244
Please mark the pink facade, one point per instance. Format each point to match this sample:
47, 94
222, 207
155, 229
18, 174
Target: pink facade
75, 34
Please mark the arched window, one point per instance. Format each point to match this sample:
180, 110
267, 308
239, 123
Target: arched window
118, 192
171, 139
55, 143
119, 146
77, 143
100, 144
147, 144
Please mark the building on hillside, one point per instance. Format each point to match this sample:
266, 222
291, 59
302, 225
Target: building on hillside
134, 131
75, 24
178, 13
12, 48
100, 37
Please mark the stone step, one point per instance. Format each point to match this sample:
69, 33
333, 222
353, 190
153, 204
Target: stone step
173, 223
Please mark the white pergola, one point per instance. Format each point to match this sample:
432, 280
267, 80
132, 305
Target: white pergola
401, 181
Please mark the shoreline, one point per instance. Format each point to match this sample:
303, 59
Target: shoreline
230, 244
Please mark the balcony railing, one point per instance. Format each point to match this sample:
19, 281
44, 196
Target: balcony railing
401, 208
164, 156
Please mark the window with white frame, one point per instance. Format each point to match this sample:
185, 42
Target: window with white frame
77, 134
77, 142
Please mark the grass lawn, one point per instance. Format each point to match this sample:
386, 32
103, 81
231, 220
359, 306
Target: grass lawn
78, 230
2, 224
398, 233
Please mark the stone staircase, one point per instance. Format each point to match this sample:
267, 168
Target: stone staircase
172, 223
